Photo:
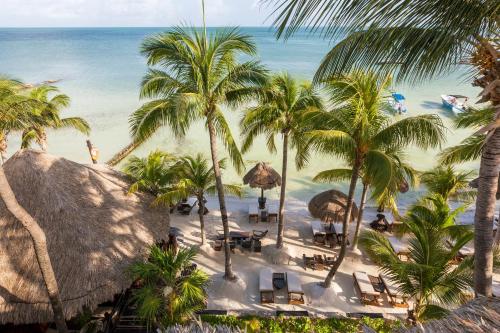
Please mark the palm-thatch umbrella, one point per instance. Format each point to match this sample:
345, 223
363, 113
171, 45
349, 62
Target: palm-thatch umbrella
330, 206
480, 315
94, 232
262, 176
475, 184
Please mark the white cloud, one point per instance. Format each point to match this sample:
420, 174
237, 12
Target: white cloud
57, 13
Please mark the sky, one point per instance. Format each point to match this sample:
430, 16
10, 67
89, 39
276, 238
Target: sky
134, 13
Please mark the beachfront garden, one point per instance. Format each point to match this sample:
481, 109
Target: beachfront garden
422, 260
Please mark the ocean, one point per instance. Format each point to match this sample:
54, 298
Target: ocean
101, 70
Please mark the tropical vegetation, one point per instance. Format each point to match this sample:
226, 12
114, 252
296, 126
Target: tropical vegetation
430, 276
358, 130
449, 183
281, 110
171, 288
195, 177
192, 76
418, 41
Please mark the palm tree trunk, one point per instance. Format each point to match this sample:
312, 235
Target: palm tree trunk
485, 214
345, 223
201, 214
281, 217
119, 156
40, 246
360, 216
228, 271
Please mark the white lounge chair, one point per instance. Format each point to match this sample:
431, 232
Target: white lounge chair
273, 213
396, 298
253, 213
399, 246
266, 286
368, 294
295, 291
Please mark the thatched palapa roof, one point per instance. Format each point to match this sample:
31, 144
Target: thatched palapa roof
480, 315
331, 204
94, 231
263, 176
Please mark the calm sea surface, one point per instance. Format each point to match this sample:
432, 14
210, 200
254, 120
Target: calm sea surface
100, 69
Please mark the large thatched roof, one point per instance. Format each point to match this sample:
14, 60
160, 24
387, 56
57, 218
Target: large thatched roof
263, 176
94, 232
331, 204
479, 315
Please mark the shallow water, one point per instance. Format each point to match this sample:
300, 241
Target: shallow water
101, 69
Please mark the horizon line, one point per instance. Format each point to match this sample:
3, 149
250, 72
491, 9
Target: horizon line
135, 26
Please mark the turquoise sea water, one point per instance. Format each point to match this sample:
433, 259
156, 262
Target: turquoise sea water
101, 69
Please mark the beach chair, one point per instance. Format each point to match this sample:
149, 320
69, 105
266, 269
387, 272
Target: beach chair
318, 231
266, 288
368, 294
257, 246
329, 261
253, 214
312, 263
273, 213
399, 247
264, 216
396, 298
294, 288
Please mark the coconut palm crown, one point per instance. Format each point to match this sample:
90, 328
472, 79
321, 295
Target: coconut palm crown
358, 130
281, 110
192, 76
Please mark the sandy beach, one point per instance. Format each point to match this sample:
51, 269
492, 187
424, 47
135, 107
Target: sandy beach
243, 295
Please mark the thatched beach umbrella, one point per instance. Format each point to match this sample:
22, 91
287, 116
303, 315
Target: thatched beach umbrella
262, 176
475, 183
331, 205
94, 232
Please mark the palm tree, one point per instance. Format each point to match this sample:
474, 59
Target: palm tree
47, 113
448, 182
199, 73
358, 131
40, 246
152, 174
398, 172
194, 177
429, 276
171, 290
420, 40
14, 111
281, 110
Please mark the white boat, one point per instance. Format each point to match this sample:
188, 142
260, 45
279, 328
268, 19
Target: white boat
397, 103
455, 103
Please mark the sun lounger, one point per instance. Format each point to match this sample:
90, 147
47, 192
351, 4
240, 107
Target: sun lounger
295, 291
495, 288
273, 213
266, 286
313, 263
253, 214
399, 246
368, 294
396, 298
318, 230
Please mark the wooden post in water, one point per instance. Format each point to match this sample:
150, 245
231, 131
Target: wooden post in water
94, 152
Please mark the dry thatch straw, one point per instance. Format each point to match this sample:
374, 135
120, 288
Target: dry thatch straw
480, 315
263, 176
330, 205
94, 232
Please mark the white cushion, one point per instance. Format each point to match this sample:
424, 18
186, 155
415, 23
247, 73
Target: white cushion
293, 283
364, 284
266, 280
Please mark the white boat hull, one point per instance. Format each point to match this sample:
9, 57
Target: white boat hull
455, 107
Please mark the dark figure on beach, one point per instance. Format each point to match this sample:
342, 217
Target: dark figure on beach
380, 224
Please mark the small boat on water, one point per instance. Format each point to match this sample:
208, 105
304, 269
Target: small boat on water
397, 103
455, 103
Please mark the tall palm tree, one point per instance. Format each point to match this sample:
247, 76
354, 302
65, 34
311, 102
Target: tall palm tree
40, 246
194, 177
281, 110
192, 75
448, 182
398, 172
152, 174
420, 40
171, 290
47, 113
358, 131
429, 277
